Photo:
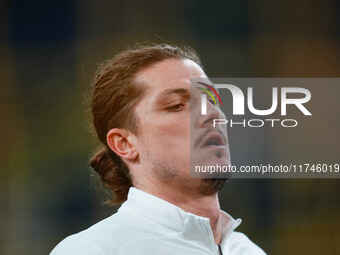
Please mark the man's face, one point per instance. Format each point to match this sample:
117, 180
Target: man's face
171, 131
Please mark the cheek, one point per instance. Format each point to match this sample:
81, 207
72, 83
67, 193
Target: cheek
168, 134
171, 144
175, 134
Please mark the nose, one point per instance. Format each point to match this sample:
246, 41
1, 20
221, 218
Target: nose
213, 112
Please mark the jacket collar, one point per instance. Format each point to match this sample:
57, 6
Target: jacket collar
174, 218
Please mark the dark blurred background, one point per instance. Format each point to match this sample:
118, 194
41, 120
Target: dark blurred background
49, 51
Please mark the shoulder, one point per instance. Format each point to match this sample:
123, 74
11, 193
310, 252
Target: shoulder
98, 239
75, 245
239, 243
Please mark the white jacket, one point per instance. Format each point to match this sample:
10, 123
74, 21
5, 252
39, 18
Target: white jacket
148, 225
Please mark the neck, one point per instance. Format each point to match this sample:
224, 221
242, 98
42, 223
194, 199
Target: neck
202, 205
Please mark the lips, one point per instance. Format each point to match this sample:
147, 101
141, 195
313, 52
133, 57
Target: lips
214, 139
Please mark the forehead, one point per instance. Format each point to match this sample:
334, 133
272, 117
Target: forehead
170, 73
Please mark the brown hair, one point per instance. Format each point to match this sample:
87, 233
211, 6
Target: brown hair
113, 99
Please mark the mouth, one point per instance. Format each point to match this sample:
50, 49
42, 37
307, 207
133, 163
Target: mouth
214, 139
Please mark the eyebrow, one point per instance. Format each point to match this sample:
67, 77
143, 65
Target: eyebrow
179, 91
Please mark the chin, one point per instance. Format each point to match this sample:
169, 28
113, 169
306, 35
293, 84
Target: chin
212, 186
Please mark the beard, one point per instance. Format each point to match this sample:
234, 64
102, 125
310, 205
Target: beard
211, 186
170, 174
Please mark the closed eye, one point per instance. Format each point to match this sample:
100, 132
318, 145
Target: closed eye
176, 108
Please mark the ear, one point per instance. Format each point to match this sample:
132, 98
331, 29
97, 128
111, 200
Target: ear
122, 142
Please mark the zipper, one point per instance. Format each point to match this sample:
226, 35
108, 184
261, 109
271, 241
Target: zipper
220, 250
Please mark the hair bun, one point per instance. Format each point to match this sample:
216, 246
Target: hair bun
113, 175
96, 162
